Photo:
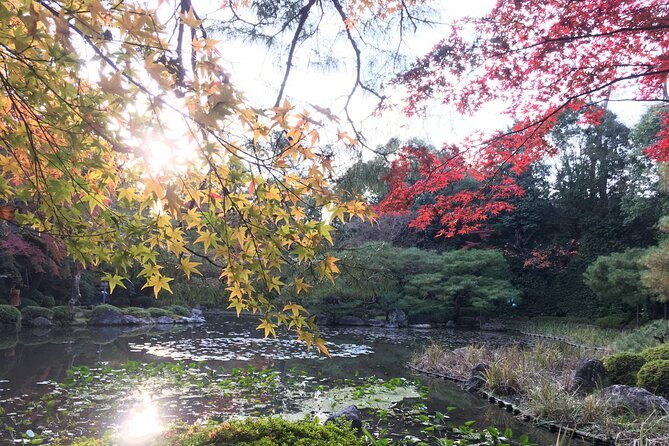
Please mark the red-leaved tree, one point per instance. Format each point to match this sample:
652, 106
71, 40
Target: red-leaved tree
540, 58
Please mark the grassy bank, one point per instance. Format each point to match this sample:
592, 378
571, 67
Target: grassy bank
538, 380
634, 340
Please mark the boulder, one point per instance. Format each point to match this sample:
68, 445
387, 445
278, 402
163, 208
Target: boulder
163, 320
350, 413
589, 375
351, 320
450, 324
396, 318
110, 317
41, 322
375, 323
476, 378
638, 400
196, 312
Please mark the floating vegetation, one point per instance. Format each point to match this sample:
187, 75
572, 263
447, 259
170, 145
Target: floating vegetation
140, 399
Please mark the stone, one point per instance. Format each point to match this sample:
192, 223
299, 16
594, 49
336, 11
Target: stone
350, 413
638, 400
476, 378
164, 320
110, 317
41, 322
196, 312
588, 376
375, 323
351, 320
396, 318
450, 324
191, 320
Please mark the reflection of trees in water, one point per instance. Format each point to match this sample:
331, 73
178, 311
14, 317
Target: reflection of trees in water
33, 355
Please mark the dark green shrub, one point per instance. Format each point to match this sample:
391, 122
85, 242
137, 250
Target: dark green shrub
654, 377
179, 310
143, 301
613, 321
33, 294
48, 301
62, 315
103, 308
158, 312
27, 302
656, 353
10, 318
30, 313
623, 367
137, 312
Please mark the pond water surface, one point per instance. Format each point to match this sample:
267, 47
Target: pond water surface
108, 397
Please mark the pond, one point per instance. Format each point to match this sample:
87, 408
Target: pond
234, 372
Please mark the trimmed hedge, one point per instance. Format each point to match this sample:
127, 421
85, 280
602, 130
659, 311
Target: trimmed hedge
654, 377
179, 310
62, 315
104, 308
30, 313
137, 312
158, 312
27, 302
623, 367
10, 318
48, 301
656, 353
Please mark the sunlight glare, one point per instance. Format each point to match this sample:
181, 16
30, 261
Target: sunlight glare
143, 421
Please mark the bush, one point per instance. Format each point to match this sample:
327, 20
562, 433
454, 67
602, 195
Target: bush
30, 313
62, 315
179, 310
48, 301
656, 353
10, 318
644, 337
158, 312
137, 312
143, 301
104, 308
654, 377
27, 302
267, 432
623, 367
613, 321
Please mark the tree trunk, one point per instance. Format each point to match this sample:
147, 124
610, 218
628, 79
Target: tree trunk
75, 293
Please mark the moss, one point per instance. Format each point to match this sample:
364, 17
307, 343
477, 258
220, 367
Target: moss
655, 353
104, 308
63, 315
137, 312
158, 312
654, 377
260, 432
623, 367
10, 318
30, 313
179, 310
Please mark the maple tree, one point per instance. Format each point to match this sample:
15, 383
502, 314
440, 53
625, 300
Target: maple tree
540, 59
122, 136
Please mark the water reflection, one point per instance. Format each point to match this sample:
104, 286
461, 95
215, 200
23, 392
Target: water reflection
35, 357
142, 422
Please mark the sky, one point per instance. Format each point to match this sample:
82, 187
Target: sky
257, 72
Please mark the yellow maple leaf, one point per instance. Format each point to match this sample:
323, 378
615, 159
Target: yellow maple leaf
190, 267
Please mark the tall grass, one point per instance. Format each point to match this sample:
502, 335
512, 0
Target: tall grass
578, 333
539, 379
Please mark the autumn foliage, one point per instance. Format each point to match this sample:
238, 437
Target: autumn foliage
539, 59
